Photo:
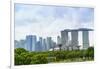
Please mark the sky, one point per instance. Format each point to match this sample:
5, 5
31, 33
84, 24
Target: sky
48, 21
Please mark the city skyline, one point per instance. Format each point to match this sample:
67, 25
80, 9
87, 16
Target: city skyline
48, 21
31, 43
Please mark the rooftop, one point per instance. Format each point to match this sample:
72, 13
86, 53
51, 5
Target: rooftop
79, 29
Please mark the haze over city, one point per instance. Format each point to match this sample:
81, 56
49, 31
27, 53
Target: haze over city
49, 21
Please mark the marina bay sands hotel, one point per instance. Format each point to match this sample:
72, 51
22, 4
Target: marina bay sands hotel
74, 43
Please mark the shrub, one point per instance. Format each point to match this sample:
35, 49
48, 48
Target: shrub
39, 59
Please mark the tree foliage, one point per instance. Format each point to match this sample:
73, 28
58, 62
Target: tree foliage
23, 57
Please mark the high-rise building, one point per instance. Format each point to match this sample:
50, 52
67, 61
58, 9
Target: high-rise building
16, 44
85, 36
74, 39
41, 43
44, 47
54, 45
64, 38
30, 42
34, 40
20, 44
49, 43
38, 46
58, 40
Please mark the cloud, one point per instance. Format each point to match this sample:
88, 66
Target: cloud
50, 20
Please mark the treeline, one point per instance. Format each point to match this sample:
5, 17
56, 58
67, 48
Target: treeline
23, 57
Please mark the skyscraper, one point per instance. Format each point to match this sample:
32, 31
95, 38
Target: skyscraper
49, 43
20, 44
41, 43
85, 36
34, 40
38, 46
30, 42
64, 38
16, 44
74, 39
58, 40
44, 47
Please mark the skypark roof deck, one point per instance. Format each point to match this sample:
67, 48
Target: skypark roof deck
80, 29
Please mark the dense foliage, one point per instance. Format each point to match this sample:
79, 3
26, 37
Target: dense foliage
23, 57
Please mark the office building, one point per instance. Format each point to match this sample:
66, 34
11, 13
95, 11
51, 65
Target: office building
30, 42
74, 37
41, 43
49, 43
58, 40
64, 38
20, 44
85, 36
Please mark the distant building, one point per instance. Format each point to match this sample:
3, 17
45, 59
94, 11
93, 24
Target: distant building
74, 39
20, 44
58, 40
85, 36
54, 45
74, 43
34, 43
41, 43
44, 46
38, 46
64, 38
49, 43
30, 42
16, 44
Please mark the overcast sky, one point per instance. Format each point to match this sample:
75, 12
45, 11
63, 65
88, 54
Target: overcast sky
50, 20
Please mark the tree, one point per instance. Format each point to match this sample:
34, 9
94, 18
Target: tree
27, 58
90, 53
60, 55
18, 59
39, 59
19, 50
